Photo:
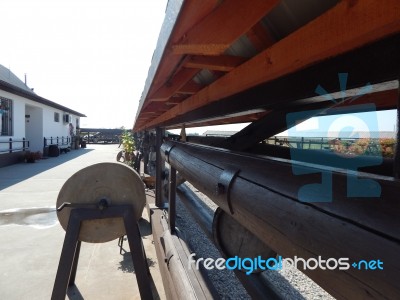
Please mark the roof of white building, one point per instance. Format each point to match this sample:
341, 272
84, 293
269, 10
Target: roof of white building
7, 76
11, 83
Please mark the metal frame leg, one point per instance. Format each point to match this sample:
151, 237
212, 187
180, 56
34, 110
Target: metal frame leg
138, 256
67, 258
120, 244
67, 267
75, 264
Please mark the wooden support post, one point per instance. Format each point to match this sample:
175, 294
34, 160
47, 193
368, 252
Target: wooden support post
396, 165
182, 135
159, 163
172, 199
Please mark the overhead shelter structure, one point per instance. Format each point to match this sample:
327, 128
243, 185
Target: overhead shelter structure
275, 64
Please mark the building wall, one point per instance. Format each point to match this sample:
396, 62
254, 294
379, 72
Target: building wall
38, 125
53, 128
34, 127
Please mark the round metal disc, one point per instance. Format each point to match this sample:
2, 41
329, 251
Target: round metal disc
117, 183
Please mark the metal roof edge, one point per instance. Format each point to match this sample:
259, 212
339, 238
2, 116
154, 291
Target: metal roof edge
5, 86
171, 15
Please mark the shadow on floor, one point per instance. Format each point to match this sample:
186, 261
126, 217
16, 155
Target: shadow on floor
126, 265
144, 227
73, 293
14, 174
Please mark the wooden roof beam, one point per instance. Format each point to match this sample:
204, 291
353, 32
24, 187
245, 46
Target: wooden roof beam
224, 63
229, 119
180, 79
346, 26
260, 37
224, 25
177, 98
190, 88
190, 15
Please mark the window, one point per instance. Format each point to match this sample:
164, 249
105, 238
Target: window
56, 117
5, 117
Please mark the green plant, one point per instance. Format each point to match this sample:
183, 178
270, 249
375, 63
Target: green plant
128, 144
388, 147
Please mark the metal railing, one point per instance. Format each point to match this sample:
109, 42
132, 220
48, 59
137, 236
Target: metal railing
22, 145
316, 143
60, 141
365, 146
302, 142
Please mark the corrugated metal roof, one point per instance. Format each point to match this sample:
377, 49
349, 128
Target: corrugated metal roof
9, 77
11, 83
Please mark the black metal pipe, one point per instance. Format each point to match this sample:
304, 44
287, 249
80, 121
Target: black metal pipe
262, 198
255, 285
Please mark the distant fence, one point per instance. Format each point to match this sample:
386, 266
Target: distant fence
60, 141
15, 145
101, 135
304, 142
367, 146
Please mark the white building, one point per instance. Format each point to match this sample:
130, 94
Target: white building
25, 115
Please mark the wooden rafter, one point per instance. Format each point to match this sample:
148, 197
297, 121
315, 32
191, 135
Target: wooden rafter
193, 13
260, 37
190, 88
339, 30
230, 20
224, 63
383, 100
178, 98
225, 120
174, 84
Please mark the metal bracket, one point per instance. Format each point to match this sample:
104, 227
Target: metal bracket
102, 204
224, 184
167, 152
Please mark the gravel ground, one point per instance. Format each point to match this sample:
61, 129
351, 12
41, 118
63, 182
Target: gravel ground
226, 283
292, 284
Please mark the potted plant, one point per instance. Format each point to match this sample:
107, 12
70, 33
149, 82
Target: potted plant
129, 148
30, 157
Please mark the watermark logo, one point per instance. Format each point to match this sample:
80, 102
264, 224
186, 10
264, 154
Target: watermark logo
249, 265
337, 130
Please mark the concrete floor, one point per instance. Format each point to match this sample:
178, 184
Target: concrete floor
31, 238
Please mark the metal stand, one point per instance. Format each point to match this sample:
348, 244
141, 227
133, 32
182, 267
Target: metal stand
70, 253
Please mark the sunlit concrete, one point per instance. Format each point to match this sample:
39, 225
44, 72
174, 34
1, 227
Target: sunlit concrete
31, 238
